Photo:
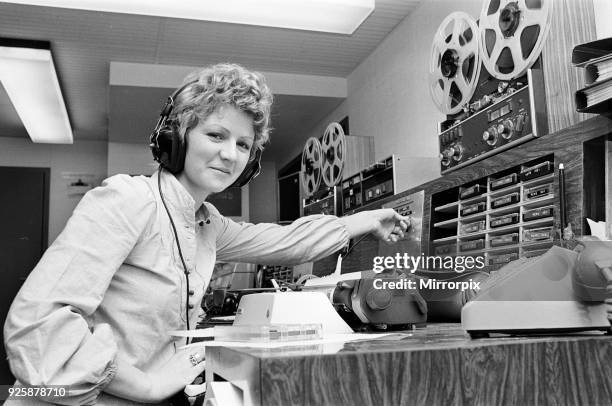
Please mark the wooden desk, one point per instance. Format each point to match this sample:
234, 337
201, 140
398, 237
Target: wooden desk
437, 365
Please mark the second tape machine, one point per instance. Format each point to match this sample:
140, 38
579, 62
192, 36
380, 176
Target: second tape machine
323, 161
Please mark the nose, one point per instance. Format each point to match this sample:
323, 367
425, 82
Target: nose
228, 151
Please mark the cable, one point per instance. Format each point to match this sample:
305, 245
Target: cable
348, 251
178, 245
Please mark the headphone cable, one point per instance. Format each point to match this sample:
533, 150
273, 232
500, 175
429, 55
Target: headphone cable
178, 245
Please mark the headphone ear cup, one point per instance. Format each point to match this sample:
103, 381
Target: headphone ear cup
179, 150
171, 149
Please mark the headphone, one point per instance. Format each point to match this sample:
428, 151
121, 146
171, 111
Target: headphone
169, 148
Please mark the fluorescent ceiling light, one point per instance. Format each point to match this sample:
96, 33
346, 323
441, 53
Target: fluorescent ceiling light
336, 16
30, 80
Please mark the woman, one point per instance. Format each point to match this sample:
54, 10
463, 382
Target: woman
137, 254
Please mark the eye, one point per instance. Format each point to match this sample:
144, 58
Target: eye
215, 136
245, 146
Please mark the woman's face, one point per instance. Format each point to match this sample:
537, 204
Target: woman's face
218, 150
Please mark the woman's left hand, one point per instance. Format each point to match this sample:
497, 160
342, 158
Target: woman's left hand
388, 225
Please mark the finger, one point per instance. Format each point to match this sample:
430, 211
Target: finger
398, 217
392, 238
405, 221
397, 230
196, 357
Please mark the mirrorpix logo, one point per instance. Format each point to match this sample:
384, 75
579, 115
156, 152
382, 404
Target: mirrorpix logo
425, 283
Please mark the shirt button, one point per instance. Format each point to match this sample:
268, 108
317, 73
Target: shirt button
191, 292
190, 306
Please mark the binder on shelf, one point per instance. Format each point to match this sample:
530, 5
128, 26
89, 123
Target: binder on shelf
585, 53
595, 98
598, 69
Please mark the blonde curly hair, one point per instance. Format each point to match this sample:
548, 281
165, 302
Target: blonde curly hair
224, 84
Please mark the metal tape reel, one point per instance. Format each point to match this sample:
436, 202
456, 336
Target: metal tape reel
512, 35
310, 171
454, 65
334, 152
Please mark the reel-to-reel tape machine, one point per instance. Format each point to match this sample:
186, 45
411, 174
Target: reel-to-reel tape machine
324, 168
323, 161
486, 77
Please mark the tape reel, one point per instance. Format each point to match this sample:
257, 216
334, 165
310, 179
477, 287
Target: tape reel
455, 64
334, 153
512, 35
310, 171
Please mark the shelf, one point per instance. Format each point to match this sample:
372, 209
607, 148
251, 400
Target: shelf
490, 249
542, 179
508, 247
447, 218
474, 199
500, 211
532, 204
447, 208
506, 190
445, 239
536, 244
449, 224
530, 246
472, 235
474, 217
546, 221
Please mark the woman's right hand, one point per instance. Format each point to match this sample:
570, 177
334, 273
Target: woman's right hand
177, 373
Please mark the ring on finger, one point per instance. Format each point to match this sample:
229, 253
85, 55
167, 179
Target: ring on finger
195, 359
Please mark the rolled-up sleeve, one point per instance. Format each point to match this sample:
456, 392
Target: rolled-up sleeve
50, 333
306, 239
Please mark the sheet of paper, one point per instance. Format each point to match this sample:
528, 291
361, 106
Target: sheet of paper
332, 338
598, 229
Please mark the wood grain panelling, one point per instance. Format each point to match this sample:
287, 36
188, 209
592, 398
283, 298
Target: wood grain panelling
438, 365
573, 23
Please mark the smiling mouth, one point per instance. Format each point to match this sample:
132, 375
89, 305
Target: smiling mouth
225, 171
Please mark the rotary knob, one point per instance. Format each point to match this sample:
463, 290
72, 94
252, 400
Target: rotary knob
457, 152
443, 159
490, 135
506, 129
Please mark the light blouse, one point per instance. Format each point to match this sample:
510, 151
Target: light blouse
113, 281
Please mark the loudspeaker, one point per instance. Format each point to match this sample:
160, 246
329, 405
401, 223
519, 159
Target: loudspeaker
169, 148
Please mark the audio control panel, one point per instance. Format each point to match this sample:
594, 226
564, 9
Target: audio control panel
324, 201
513, 115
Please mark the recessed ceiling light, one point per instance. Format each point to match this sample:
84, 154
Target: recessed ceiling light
30, 80
335, 16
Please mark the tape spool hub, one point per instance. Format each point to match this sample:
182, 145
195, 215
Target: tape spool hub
454, 63
334, 151
512, 34
310, 171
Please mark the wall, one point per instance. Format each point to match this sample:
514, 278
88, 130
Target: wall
603, 12
388, 96
84, 157
263, 195
134, 159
